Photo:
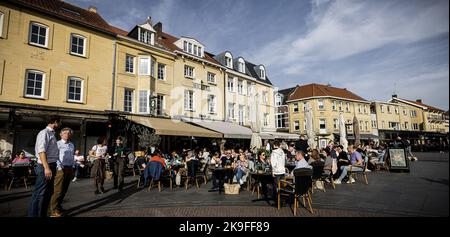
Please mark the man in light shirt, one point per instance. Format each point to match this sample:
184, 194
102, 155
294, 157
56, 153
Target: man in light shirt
64, 173
47, 153
300, 161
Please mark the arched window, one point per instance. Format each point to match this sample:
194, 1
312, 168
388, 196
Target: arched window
228, 60
262, 72
241, 65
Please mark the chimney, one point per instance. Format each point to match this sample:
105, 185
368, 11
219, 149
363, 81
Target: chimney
394, 96
149, 20
419, 101
158, 28
92, 9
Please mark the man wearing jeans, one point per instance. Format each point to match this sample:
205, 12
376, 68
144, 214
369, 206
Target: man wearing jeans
356, 162
278, 160
47, 152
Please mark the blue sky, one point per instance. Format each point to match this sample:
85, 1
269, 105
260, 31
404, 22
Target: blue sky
369, 47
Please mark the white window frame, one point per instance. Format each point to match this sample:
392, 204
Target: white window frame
240, 87
347, 107
141, 66
266, 119
334, 105
146, 36
265, 95
279, 100
366, 125
241, 114
46, 34
295, 108
163, 71
374, 124
413, 113
321, 105
230, 84
2, 17
341, 104
405, 112
72, 35
336, 124
296, 125
230, 111
241, 65
229, 60
42, 87
262, 72
81, 91
133, 62
125, 100
280, 120
189, 100
324, 123
212, 104
163, 104
147, 102
189, 72
382, 108
359, 108
211, 77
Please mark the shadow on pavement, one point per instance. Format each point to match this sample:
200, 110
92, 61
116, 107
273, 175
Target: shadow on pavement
439, 181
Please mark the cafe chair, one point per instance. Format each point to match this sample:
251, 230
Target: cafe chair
303, 180
19, 172
154, 170
317, 174
352, 173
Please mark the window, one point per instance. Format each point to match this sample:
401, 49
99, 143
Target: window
199, 51
211, 77
1, 23
185, 47
35, 84
406, 125
195, 49
322, 124
78, 45
359, 108
241, 115
265, 97
321, 104
190, 48
161, 71
228, 60
188, 71
146, 36
340, 106
75, 89
333, 105
305, 106
266, 119
415, 126
160, 105
304, 124
144, 66
240, 87
128, 101
152, 67
231, 110
396, 110
336, 124
296, 125
347, 108
413, 113
281, 120
295, 107
365, 109
230, 84
382, 108
241, 65
262, 72
188, 100
350, 128
38, 35
249, 89
211, 104
388, 109
374, 124
129, 63
279, 100
143, 102
366, 126
405, 112
382, 124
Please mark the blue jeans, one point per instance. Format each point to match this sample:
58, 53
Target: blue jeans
345, 171
239, 174
42, 193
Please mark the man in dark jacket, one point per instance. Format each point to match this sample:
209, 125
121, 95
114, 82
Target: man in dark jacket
302, 145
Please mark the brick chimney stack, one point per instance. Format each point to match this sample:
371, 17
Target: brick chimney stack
92, 9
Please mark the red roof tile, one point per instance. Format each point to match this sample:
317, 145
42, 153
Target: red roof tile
424, 105
313, 90
68, 12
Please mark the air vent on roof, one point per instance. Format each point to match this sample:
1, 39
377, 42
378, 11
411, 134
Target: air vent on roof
70, 11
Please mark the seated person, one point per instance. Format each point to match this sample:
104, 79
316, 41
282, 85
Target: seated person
263, 164
79, 164
157, 158
356, 162
315, 156
300, 161
241, 168
21, 159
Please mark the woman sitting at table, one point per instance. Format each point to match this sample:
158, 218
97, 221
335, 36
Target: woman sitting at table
20, 158
241, 168
262, 164
315, 156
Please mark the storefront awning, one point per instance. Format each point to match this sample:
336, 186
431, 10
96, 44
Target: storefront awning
229, 130
362, 136
283, 135
173, 127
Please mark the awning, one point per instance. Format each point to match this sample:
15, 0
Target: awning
173, 127
284, 136
229, 130
266, 135
362, 136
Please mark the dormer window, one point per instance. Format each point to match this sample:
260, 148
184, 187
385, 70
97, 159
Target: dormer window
241, 65
228, 60
146, 36
190, 46
262, 72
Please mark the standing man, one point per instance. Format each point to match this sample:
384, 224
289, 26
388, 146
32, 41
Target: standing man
278, 160
119, 164
64, 173
46, 149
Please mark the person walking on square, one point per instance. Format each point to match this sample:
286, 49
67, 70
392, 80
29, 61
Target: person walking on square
46, 149
119, 164
98, 170
64, 173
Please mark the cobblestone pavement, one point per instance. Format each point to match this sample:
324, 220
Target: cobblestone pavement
422, 192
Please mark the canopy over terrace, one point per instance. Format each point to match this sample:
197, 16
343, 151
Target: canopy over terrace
173, 127
229, 130
281, 135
